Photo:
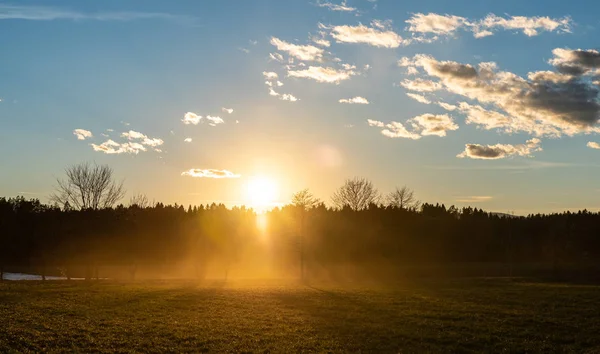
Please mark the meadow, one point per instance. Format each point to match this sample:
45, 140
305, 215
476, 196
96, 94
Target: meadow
475, 315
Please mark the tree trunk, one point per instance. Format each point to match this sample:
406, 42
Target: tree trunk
1, 273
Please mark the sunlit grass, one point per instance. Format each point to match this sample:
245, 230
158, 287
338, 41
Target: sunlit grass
477, 316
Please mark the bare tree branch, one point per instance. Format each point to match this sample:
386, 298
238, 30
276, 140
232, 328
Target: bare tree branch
305, 199
357, 194
139, 200
403, 198
88, 187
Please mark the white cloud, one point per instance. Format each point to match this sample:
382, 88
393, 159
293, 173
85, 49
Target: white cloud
209, 173
380, 36
212, 121
112, 147
82, 134
421, 85
302, 52
269, 75
397, 130
422, 125
131, 135
321, 41
335, 7
593, 145
289, 97
228, 110
445, 25
500, 151
354, 100
434, 23
433, 124
276, 57
419, 98
187, 140
375, 123
447, 106
529, 25
193, 118
323, 74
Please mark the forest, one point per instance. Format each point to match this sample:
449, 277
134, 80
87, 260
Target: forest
360, 236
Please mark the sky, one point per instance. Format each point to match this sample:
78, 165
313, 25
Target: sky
492, 104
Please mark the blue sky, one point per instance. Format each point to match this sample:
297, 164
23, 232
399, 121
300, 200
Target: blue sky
520, 134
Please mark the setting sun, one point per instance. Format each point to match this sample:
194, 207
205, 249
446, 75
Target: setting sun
261, 192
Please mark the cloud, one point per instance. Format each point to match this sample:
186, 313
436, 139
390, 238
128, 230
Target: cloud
354, 100
434, 23
422, 125
421, 85
380, 35
474, 199
302, 52
500, 151
187, 140
375, 123
321, 41
593, 145
419, 98
433, 124
283, 97
212, 121
542, 104
335, 7
323, 74
269, 75
397, 130
289, 97
447, 106
132, 147
575, 62
209, 173
193, 118
131, 135
228, 110
529, 25
82, 134
46, 13
276, 57
112, 147
445, 25
393, 129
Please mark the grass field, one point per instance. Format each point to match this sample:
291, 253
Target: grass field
483, 315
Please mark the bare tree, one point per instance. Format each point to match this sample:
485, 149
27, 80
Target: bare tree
403, 198
139, 200
305, 199
88, 187
357, 194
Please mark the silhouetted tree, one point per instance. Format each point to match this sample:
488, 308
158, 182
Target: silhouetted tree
304, 199
356, 193
402, 198
88, 187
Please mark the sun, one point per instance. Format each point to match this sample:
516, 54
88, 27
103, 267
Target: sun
262, 192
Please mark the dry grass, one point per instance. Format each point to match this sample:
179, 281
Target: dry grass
177, 316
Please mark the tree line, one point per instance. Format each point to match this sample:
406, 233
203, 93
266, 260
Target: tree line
85, 233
